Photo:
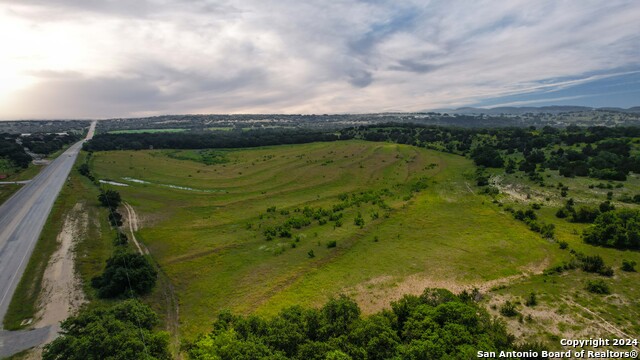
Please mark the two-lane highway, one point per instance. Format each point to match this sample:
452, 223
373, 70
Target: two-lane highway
22, 218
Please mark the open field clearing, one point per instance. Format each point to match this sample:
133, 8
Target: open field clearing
384, 220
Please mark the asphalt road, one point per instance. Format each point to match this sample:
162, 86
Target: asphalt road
21, 220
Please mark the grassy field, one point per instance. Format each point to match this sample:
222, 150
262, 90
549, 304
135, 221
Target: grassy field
205, 226
150, 131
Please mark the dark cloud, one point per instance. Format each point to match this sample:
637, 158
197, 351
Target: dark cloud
413, 66
361, 78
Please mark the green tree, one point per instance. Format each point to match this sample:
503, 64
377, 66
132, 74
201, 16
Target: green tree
120, 332
110, 198
125, 272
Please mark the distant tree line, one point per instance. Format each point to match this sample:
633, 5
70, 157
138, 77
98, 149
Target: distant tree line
38, 143
222, 139
47, 144
597, 152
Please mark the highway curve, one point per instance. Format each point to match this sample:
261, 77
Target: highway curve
22, 218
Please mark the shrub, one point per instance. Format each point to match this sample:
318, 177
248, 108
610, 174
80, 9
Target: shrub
508, 309
585, 214
597, 287
120, 239
531, 300
115, 218
563, 245
628, 265
332, 244
310, 254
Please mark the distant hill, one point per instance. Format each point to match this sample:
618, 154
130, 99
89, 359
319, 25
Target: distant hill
511, 110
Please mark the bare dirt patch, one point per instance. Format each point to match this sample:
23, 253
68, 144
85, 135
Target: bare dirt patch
62, 293
517, 192
376, 294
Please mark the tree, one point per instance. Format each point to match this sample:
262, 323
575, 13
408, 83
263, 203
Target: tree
125, 272
123, 331
487, 156
110, 198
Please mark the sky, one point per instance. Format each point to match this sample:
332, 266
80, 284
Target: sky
123, 58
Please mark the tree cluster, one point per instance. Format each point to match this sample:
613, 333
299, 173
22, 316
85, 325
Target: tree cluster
121, 332
436, 325
9, 149
605, 152
126, 273
47, 144
111, 199
619, 229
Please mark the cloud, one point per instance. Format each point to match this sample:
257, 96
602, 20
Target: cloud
169, 56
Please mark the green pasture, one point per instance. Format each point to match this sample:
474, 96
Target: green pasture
209, 238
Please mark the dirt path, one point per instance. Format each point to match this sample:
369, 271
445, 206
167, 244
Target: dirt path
603, 323
132, 222
172, 316
62, 293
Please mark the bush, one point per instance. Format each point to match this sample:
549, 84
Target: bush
628, 265
125, 272
585, 214
597, 287
531, 300
547, 230
508, 309
115, 218
332, 244
563, 245
120, 239
562, 213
